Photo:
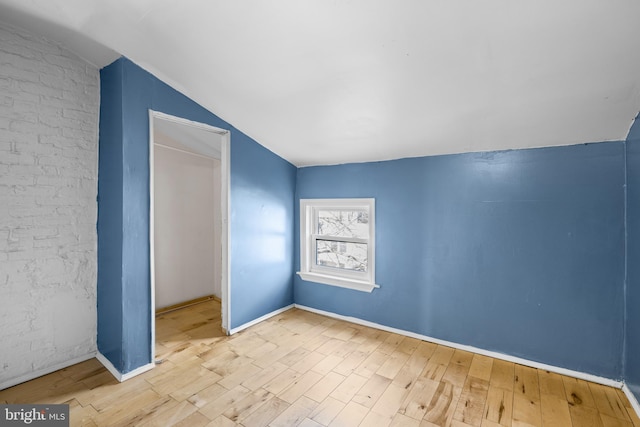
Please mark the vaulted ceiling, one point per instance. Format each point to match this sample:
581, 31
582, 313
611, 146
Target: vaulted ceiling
335, 81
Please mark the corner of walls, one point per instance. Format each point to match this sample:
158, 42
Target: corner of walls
632, 286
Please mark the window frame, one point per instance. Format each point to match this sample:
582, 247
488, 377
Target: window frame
310, 270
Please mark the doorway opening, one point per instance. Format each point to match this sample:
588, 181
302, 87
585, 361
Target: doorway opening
189, 211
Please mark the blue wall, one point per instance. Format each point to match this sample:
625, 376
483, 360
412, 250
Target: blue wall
519, 252
632, 348
262, 218
261, 198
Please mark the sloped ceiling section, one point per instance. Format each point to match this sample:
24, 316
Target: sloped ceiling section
326, 82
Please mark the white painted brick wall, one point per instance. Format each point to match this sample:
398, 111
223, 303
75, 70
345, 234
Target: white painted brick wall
49, 106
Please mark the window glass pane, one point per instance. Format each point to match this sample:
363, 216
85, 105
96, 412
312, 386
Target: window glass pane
341, 223
345, 255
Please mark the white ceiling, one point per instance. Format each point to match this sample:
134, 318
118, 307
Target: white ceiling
335, 81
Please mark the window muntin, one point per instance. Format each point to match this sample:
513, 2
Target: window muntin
337, 239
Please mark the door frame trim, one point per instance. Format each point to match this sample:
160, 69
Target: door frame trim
225, 180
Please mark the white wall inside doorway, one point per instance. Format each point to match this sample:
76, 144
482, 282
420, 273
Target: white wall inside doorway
187, 225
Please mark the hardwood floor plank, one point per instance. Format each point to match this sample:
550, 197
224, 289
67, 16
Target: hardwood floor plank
221, 421
456, 374
326, 411
309, 423
409, 345
351, 363
194, 420
294, 356
127, 407
371, 364
300, 386
393, 364
274, 355
404, 421
585, 416
264, 376
630, 412
526, 384
80, 415
481, 367
425, 349
327, 384
351, 415
169, 413
555, 411
609, 421
551, 384
442, 355
499, 407
434, 370
526, 412
389, 403
218, 406
371, 391
471, 404
416, 403
238, 376
390, 343
608, 402
247, 404
502, 374
462, 357
373, 419
83, 370
264, 414
327, 364
308, 362
103, 399
294, 414
443, 404
205, 379
282, 381
330, 346
348, 388
577, 392
207, 395
411, 370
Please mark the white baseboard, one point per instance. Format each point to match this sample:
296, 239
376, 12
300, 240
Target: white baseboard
117, 374
260, 319
40, 372
632, 399
508, 358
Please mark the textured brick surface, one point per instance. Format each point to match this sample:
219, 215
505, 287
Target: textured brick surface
49, 102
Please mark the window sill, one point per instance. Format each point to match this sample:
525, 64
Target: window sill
356, 285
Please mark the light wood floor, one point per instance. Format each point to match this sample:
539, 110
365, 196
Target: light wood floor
300, 368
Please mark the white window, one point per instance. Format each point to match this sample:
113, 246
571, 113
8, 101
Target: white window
337, 242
